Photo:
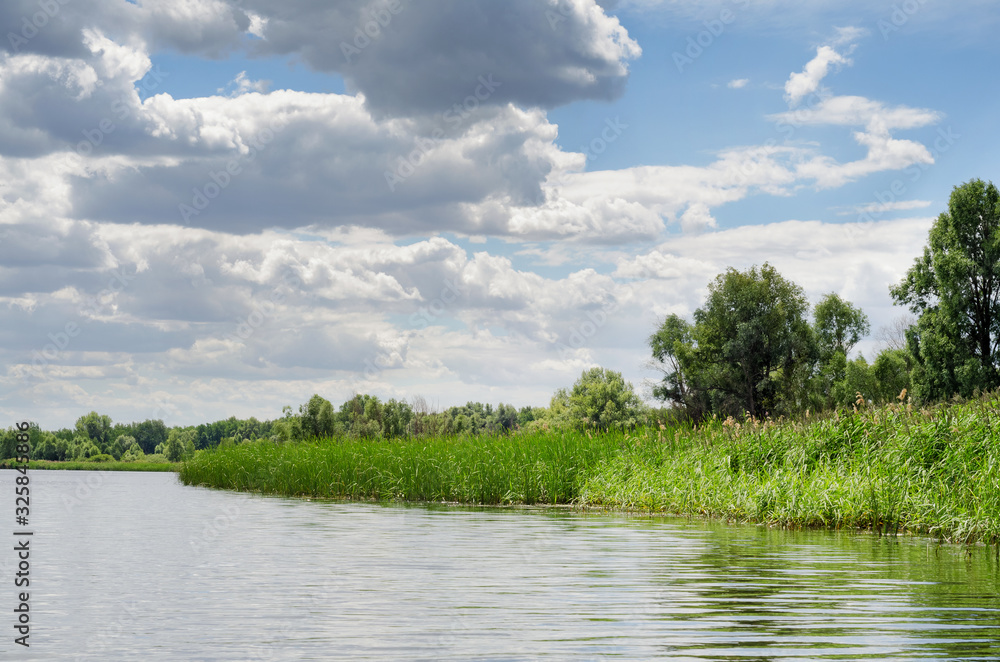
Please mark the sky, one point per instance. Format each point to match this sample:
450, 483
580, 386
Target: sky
216, 208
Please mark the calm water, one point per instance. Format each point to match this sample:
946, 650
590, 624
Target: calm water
139, 567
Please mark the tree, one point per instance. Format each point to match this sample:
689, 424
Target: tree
839, 325
95, 427
749, 341
180, 445
954, 288
149, 434
317, 417
673, 355
604, 400
396, 417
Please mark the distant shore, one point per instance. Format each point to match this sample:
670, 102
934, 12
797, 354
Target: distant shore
94, 466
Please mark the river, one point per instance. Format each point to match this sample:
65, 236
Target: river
136, 566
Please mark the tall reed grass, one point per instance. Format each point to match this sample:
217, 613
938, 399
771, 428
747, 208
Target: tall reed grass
498, 469
890, 469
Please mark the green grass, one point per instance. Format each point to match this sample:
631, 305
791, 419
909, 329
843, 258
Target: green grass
519, 468
933, 471
96, 466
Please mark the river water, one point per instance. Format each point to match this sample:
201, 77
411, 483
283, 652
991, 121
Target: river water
136, 566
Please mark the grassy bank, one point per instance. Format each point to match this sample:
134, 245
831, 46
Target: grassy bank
96, 466
519, 468
933, 471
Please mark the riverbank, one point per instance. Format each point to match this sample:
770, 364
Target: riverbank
893, 469
94, 466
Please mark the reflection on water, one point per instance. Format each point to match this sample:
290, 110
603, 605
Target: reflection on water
139, 567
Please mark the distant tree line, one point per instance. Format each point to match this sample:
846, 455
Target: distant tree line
600, 399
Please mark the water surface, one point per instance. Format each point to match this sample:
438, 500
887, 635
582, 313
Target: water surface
136, 566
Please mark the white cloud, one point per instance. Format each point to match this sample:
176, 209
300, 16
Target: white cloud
431, 317
804, 83
738, 83
858, 111
884, 207
242, 85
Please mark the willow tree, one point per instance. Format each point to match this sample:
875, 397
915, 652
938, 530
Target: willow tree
954, 288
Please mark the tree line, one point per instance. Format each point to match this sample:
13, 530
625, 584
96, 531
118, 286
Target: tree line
599, 399
751, 349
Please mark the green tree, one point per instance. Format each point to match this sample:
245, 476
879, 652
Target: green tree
180, 444
749, 345
133, 452
602, 399
122, 444
149, 434
673, 355
396, 417
95, 427
838, 325
317, 417
954, 288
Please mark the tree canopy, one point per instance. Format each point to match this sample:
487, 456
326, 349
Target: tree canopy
954, 288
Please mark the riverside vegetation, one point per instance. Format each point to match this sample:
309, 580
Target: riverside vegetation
767, 417
891, 469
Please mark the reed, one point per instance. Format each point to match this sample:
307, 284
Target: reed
490, 469
890, 469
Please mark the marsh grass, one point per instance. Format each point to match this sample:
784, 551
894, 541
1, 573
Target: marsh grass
500, 469
890, 469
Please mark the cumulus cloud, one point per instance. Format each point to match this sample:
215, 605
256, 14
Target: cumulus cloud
181, 312
411, 57
259, 246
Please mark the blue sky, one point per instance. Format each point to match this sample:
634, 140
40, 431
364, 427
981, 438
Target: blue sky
365, 238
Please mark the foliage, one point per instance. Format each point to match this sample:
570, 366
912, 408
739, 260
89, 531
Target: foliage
954, 288
95, 427
317, 417
889, 469
180, 445
543, 467
748, 347
603, 400
839, 325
